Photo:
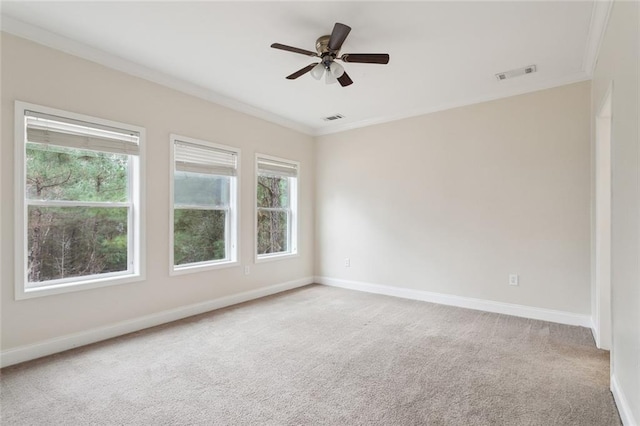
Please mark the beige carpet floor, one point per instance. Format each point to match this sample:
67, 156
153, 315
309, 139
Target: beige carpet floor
325, 356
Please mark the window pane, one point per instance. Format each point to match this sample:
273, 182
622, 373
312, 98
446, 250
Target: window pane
195, 189
273, 192
57, 173
198, 235
65, 242
272, 232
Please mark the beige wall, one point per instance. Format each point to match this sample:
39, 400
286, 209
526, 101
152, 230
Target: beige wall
452, 202
36, 74
618, 62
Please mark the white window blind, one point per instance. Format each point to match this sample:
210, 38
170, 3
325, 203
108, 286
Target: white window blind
196, 158
52, 130
276, 168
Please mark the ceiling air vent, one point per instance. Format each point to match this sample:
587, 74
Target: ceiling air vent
333, 117
516, 73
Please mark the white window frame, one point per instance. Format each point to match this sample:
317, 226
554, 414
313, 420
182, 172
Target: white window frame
232, 225
292, 223
135, 231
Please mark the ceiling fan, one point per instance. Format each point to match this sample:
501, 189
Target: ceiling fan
328, 48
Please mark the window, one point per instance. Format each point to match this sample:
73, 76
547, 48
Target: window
204, 214
276, 207
78, 201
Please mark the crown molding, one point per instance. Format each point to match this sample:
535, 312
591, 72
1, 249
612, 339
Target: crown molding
599, 19
75, 48
515, 91
597, 28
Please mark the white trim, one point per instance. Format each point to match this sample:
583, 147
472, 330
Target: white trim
622, 403
548, 84
136, 247
294, 226
72, 47
605, 109
597, 29
202, 266
276, 256
602, 316
233, 231
70, 341
594, 331
462, 302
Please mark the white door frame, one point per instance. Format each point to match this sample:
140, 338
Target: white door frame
602, 314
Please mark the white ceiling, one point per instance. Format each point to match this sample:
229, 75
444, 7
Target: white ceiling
443, 54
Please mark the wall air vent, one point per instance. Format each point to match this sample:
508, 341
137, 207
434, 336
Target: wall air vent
516, 73
333, 117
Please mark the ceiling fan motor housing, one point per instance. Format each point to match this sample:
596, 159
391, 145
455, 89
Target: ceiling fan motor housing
326, 55
322, 44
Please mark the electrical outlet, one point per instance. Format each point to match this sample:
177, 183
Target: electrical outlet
514, 279
247, 270
347, 262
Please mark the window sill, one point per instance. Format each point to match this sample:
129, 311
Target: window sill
201, 268
273, 257
76, 286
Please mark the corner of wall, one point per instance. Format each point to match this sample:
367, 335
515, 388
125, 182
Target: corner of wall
622, 403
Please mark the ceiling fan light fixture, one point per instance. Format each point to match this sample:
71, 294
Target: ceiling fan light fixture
330, 78
317, 71
336, 69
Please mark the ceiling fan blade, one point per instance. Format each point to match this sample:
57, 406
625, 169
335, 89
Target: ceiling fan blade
338, 35
293, 49
344, 80
366, 58
301, 72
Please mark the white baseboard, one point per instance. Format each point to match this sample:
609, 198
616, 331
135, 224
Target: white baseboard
622, 402
463, 302
70, 341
